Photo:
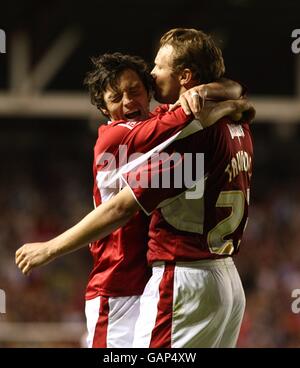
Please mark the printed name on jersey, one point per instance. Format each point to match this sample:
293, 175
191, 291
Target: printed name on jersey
130, 124
240, 163
236, 130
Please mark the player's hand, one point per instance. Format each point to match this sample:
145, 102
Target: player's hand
192, 101
32, 255
236, 109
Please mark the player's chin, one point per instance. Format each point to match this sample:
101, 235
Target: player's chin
158, 96
138, 118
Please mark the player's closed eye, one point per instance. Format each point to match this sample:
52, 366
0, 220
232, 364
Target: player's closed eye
116, 98
135, 91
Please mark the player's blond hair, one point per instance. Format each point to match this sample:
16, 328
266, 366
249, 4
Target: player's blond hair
195, 50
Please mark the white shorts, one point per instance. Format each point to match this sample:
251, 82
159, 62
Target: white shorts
111, 321
191, 305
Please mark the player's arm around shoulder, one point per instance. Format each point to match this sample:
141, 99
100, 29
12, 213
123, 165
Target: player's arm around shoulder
142, 136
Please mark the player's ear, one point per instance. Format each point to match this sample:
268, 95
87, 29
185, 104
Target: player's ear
185, 77
104, 112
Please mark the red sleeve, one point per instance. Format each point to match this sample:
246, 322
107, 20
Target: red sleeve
167, 176
150, 198
146, 182
160, 109
150, 133
142, 136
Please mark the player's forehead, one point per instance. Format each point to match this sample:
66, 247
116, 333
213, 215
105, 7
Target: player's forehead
164, 56
126, 80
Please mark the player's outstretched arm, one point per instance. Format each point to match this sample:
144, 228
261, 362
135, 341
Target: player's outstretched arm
96, 225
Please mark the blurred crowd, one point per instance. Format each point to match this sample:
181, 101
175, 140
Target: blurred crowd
269, 265
44, 191
36, 208
46, 187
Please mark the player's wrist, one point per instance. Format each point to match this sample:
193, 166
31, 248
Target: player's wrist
51, 249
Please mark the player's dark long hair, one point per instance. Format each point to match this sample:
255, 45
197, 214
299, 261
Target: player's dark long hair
106, 72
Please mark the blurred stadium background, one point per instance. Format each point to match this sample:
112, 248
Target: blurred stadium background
48, 129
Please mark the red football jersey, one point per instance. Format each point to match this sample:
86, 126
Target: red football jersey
209, 226
120, 266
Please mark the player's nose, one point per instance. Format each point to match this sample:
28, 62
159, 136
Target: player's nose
153, 73
127, 100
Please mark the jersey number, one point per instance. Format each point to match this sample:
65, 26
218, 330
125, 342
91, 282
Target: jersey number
236, 201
